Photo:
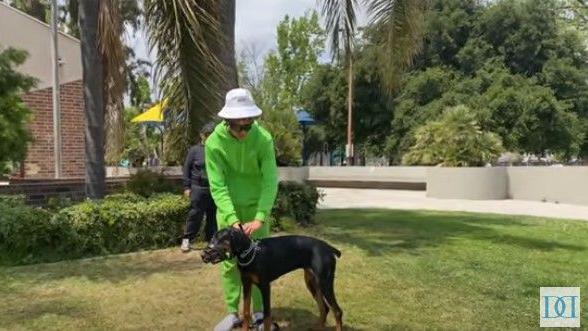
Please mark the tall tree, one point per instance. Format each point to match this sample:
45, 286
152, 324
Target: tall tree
186, 34
129, 11
402, 30
114, 16
226, 53
278, 85
575, 11
112, 53
37, 8
527, 83
286, 71
14, 114
93, 77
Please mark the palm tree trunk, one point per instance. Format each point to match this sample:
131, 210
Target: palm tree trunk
93, 98
226, 53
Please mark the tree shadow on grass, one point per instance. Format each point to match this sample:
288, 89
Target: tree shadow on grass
15, 316
112, 268
304, 319
385, 231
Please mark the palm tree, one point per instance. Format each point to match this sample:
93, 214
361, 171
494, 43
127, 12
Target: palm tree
93, 77
401, 23
226, 53
195, 62
114, 15
112, 52
188, 37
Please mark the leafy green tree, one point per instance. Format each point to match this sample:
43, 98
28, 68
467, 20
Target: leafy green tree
326, 99
299, 44
421, 99
455, 140
277, 87
529, 117
141, 93
526, 82
526, 34
189, 37
14, 115
283, 125
575, 12
140, 140
37, 8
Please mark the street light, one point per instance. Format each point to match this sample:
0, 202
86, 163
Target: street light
305, 120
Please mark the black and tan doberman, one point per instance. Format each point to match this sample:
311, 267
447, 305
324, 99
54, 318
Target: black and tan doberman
261, 262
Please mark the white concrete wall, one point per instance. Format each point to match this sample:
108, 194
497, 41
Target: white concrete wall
552, 184
126, 172
21, 31
549, 184
467, 183
382, 174
295, 174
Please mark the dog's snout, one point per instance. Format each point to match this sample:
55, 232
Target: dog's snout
204, 257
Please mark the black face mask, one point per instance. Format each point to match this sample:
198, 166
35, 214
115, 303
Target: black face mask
241, 128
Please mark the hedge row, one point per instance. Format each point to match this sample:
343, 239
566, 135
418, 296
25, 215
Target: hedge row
119, 223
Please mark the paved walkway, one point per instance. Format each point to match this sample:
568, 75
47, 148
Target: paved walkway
396, 199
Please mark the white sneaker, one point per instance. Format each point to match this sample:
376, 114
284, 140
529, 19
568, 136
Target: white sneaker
185, 245
258, 323
257, 319
228, 323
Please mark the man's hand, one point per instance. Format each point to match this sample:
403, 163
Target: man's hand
187, 192
252, 226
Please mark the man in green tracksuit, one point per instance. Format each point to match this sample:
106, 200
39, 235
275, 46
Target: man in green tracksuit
242, 173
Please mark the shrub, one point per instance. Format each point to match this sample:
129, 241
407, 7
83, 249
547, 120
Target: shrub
57, 203
120, 223
297, 201
13, 200
125, 197
117, 224
455, 140
26, 232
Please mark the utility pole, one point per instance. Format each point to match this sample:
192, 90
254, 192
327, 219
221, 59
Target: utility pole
56, 91
349, 147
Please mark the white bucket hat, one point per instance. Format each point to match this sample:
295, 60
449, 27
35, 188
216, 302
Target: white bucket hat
239, 104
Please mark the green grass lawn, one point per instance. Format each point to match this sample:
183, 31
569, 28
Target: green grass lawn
399, 270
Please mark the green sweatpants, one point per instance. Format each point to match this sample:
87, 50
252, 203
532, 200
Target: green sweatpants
230, 278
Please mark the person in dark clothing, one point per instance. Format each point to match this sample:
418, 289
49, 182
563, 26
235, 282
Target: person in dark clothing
197, 189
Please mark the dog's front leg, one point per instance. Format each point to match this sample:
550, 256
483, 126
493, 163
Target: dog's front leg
267, 307
246, 303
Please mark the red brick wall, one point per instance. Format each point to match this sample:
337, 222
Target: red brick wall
39, 162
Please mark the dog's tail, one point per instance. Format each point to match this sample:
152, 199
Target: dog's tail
334, 250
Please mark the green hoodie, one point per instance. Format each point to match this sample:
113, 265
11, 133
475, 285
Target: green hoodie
242, 174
